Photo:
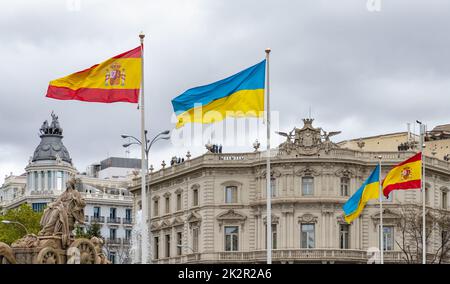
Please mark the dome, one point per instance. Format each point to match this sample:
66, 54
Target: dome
51, 147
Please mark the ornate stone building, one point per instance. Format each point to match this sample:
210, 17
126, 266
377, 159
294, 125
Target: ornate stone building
109, 203
211, 209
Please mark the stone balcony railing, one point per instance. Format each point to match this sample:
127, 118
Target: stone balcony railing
113, 241
127, 221
97, 219
288, 255
115, 220
259, 157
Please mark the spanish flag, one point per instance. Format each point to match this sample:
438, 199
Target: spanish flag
241, 95
369, 190
406, 175
117, 79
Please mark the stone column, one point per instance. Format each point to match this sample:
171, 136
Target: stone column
46, 185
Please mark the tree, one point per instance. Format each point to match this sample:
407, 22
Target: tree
92, 230
25, 215
437, 237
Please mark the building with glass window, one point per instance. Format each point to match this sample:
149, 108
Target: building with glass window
108, 201
212, 209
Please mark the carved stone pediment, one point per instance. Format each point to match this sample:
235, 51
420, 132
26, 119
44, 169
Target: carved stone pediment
275, 219
341, 220
307, 171
231, 217
156, 197
273, 173
167, 194
195, 186
344, 172
194, 217
155, 226
389, 218
165, 224
307, 218
177, 222
179, 191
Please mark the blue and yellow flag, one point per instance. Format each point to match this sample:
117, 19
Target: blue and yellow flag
241, 95
369, 190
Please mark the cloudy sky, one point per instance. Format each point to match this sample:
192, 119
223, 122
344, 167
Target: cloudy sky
362, 72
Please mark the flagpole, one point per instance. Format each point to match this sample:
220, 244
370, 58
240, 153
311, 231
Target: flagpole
268, 171
144, 227
424, 241
381, 212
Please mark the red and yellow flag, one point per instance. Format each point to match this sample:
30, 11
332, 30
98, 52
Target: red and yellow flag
407, 175
117, 79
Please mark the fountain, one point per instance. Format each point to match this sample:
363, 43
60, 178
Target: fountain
55, 243
136, 238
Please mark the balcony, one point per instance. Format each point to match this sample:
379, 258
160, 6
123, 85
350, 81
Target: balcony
126, 241
287, 255
86, 218
115, 220
127, 221
113, 241
97, 219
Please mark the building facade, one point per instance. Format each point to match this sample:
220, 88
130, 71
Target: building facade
212, 209
108, 201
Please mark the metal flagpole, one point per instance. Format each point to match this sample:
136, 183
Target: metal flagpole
424, 241
144, 227
381, 213
268, 171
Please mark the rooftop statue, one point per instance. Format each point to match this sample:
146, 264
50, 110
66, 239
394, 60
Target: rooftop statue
307, 140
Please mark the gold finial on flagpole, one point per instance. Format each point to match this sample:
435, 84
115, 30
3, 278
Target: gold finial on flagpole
268, 50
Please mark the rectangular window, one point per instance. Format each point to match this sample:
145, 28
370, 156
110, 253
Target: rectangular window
388, 237
195, 197
112, 233
345, 186
344, 236
128, 214
195, 232
307, 236
156, 247
307, 186
167, 245
179, 242
231, 194
231, 238
167, 205
274, 236
179, 202
444, 200
155, 208
97, 212
273, 187
112, 257
127, 234
59, 182
112, 213
38, 207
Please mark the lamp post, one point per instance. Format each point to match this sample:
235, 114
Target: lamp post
15, 222
146, 255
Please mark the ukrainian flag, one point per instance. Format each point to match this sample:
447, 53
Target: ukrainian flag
241, 95
369, 190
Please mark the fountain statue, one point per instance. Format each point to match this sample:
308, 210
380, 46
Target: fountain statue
55, 243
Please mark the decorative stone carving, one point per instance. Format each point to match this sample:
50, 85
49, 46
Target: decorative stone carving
307, 171
389, 218
307, 218
344, 172
231, 217
177, 222
275, 219
307, 141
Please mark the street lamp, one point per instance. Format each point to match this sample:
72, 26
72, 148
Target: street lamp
15, 222
146, 234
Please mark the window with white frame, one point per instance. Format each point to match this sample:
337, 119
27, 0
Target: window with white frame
156, 207
231, 194
178, 201
273, 186
444, 199
307, 236
345, 186
195, 236
167, 204
167, 245
388, 238
344, 236
274, 236
231, 238
195, 197
156, 247
179, 242
307, 186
